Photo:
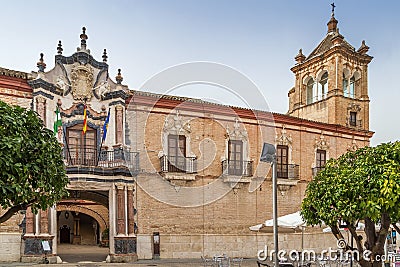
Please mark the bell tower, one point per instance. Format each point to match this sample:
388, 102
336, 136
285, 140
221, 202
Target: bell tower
331, 83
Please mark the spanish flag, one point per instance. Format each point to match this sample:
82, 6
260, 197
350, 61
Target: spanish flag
84, 120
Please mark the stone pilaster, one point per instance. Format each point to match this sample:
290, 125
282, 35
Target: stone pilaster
131, 220
44, 222
120, 210
37, 231
41, 108
29, 221
119, 124
124, 243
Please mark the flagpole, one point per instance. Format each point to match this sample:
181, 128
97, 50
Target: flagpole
103, 139
66, 144
98, 156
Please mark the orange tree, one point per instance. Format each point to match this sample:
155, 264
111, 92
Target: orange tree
32, 171
358, 186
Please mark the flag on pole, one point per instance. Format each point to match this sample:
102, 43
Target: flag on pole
57, 121
84, 119
105, 126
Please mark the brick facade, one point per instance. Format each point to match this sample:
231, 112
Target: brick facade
188, 190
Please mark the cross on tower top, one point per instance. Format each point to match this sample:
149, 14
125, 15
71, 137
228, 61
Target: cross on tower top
333, 8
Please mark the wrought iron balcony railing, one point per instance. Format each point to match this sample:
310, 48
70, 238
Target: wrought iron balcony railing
91, 157
287, 171
178, 164
356, 123
237, 168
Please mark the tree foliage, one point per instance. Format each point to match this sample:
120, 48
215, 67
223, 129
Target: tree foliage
363, 185
32, 171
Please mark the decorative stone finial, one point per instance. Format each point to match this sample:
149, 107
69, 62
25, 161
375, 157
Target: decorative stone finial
105, 55
59, 48
300, 57
41, 65
83, 37
119, 77
363, 48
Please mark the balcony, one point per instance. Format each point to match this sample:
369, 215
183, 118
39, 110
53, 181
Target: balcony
178, 164
107, 162
237, 168
288, 171
316, 170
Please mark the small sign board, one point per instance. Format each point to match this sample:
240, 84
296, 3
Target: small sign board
46, 245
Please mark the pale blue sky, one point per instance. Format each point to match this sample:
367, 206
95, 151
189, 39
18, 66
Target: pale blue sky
258, 38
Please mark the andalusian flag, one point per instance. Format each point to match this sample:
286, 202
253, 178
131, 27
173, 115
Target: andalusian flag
57, 122
105, 126
84, 119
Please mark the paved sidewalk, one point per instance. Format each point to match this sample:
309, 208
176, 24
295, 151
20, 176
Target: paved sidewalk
94, 256
140, 263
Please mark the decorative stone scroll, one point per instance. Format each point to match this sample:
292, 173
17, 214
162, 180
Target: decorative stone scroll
237, 133
284, 139
353, 146
321, 143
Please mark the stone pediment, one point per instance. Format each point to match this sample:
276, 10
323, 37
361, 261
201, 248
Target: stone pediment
79, 76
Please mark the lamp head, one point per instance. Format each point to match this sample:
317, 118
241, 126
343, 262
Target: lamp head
268, 153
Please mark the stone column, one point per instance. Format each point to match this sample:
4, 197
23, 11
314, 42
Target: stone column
44, 222
77, 236
131, 220
53, 228
41, 108
120, 210
112, 218
37, 224
119, 124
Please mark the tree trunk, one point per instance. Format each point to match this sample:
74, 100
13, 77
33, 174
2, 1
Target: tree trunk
14, 209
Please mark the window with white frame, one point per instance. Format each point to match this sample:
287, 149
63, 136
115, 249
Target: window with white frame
322, 86
310, 91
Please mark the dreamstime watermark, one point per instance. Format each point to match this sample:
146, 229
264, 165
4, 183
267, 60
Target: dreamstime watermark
332, 254
203, 126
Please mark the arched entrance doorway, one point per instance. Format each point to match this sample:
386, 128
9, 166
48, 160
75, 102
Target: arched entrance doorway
81, 220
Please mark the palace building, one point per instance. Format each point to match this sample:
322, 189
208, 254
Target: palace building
179, 177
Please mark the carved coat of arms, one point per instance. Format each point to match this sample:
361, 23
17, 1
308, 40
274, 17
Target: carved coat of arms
82, 82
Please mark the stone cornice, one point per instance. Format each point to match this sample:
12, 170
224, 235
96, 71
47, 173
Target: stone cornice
172, 102
335, 50
14, 73
82, 58
40, 83
15, 83
115, 94
77, 109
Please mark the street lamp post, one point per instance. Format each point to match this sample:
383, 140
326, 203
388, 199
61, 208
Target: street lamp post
268, 154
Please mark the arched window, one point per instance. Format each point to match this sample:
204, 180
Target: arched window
310, 91
323, 86
349, 85
345, 86
352, 86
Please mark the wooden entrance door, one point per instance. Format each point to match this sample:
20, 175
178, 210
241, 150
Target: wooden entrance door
65, 233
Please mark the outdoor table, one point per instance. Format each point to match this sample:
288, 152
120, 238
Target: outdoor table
222, 260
